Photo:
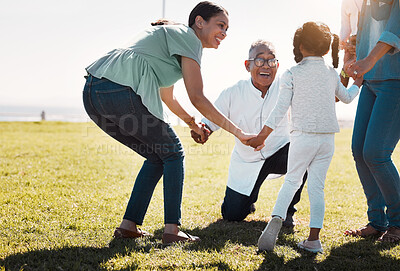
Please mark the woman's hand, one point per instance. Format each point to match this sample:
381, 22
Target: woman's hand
361, 67
364, 65
202, 135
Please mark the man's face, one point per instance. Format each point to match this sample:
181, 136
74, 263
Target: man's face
262, 77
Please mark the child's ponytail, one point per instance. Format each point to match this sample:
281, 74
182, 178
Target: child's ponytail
298, 56
335, 51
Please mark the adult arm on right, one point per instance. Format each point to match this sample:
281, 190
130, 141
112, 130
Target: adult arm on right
388, 43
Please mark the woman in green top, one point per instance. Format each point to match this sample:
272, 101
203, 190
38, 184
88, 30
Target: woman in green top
123, 95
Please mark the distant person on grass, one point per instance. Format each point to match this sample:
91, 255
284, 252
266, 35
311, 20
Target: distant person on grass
248, 103
309, 89
123, 95
377, 125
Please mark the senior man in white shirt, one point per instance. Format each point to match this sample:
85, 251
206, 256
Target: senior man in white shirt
248, 104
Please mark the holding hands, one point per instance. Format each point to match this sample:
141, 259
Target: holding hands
362, 66
258, 142
349, 55
199, 132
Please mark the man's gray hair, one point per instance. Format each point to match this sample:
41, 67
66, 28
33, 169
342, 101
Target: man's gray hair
265, 43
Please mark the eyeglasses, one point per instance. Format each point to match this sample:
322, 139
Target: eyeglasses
259, 62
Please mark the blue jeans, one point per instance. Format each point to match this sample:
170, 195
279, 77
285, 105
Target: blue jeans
375, 135
119, 112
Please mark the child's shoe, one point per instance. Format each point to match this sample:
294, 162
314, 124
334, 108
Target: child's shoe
268, 237
312, 246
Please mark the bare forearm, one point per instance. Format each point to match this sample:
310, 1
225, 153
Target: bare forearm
173, 104
265, 132
364, 65
207, 109
378, 51
178, 110
194, 86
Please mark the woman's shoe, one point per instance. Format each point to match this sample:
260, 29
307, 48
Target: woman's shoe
123, 233
169, 238
392, 235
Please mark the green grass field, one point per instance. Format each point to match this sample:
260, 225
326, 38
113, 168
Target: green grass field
64, 188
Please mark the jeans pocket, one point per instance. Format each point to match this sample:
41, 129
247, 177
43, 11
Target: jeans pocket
116, 102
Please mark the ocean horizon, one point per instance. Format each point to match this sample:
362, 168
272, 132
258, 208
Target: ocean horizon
51, 113
78, 114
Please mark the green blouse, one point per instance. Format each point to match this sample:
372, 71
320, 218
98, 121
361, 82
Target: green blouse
153, 60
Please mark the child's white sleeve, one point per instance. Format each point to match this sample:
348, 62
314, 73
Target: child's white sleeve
284, 101
344, 94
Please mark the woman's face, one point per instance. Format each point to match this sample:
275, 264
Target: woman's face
213, 31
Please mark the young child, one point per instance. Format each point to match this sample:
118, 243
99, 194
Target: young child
309, 88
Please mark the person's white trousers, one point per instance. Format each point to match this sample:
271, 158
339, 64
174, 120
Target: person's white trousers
311, 152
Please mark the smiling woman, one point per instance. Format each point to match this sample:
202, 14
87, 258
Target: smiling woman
123, 94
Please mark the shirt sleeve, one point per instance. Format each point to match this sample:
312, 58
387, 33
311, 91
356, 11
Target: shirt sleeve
223, 105
284, 101
182, 41
344, 94
391, 34
345, 27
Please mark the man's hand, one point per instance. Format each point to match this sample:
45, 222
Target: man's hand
244, 137
256, 142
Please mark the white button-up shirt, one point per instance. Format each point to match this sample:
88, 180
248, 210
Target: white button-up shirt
243, 105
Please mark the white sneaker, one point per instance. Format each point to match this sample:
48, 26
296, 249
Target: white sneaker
312, 246
268, 237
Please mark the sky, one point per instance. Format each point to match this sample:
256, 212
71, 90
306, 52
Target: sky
46, 44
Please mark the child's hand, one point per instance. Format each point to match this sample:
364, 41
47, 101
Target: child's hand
359, 81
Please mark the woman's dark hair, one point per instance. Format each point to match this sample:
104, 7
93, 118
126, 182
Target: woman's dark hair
163, 22
206, 10
316, 38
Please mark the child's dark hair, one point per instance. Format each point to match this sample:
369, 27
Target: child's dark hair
315, 38
206, 10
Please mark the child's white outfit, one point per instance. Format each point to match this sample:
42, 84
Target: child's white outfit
309, 88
